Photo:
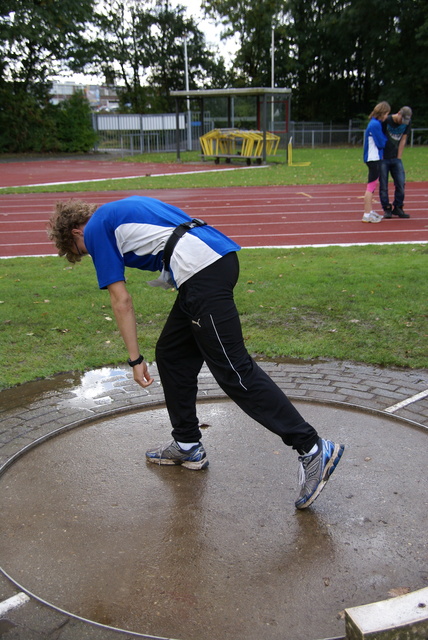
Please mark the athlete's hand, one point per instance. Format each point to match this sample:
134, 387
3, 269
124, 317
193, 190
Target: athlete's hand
142, 375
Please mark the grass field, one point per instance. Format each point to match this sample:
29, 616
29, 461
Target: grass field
327, 166
366, 304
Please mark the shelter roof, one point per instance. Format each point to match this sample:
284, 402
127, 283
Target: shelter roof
213, 93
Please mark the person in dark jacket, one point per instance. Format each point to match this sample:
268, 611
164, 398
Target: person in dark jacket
397, 129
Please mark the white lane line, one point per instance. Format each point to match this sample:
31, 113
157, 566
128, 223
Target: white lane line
145, 175
13, 602
404, 403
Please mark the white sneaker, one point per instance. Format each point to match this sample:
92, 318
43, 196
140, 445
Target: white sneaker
372, 217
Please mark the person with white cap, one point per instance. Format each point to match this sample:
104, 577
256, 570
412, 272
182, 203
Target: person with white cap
396, 128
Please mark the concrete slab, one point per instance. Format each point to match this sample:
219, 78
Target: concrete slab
405, 616
89, 527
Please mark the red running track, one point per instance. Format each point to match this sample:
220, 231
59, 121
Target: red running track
61, 171
286, 216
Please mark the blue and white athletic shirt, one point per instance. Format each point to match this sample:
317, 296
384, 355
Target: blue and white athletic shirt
374, 141
133, 232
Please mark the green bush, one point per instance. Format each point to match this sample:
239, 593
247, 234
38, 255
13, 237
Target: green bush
23, 122
74, 125
30, 123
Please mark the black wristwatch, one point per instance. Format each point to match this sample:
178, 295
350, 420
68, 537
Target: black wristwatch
139, 360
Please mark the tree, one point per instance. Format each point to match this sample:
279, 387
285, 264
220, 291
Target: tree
75, 132
370, 29
253, 24
339, 57
405, 76
141, 47
29, 127
167, 70
121, 49
37, 35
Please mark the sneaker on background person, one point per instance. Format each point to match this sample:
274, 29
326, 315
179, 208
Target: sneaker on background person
315, 470
372, 217
398, 211
387, 211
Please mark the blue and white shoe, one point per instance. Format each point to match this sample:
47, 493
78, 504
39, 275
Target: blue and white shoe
195, 458
315, 470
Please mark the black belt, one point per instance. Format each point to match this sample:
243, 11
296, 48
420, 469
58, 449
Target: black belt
175, 236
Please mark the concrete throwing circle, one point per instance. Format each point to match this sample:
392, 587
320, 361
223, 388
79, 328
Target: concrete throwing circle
91, 528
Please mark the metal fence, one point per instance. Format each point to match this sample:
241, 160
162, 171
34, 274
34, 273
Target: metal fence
310, 134
131, 134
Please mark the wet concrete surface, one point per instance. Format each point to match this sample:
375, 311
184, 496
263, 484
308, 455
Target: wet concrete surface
91, 528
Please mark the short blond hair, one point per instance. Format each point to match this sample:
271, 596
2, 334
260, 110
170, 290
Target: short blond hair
66, 217
380, 110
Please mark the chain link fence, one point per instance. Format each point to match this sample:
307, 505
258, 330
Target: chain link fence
130, 134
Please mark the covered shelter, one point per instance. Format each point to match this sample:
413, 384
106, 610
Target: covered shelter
261, 94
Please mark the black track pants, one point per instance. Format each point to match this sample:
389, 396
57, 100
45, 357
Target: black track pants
204, 326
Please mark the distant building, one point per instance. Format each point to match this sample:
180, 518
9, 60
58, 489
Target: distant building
101, 97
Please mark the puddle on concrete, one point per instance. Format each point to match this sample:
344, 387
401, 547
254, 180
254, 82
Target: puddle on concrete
92, 528
99, 381
25, 394
95, 385
86, 387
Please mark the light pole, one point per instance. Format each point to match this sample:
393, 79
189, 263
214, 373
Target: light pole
189, 115
272, 115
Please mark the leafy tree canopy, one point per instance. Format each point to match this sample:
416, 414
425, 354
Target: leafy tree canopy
36, 36
339, 57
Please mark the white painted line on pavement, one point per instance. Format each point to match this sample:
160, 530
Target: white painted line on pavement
13, 602
404, 403
145, 175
